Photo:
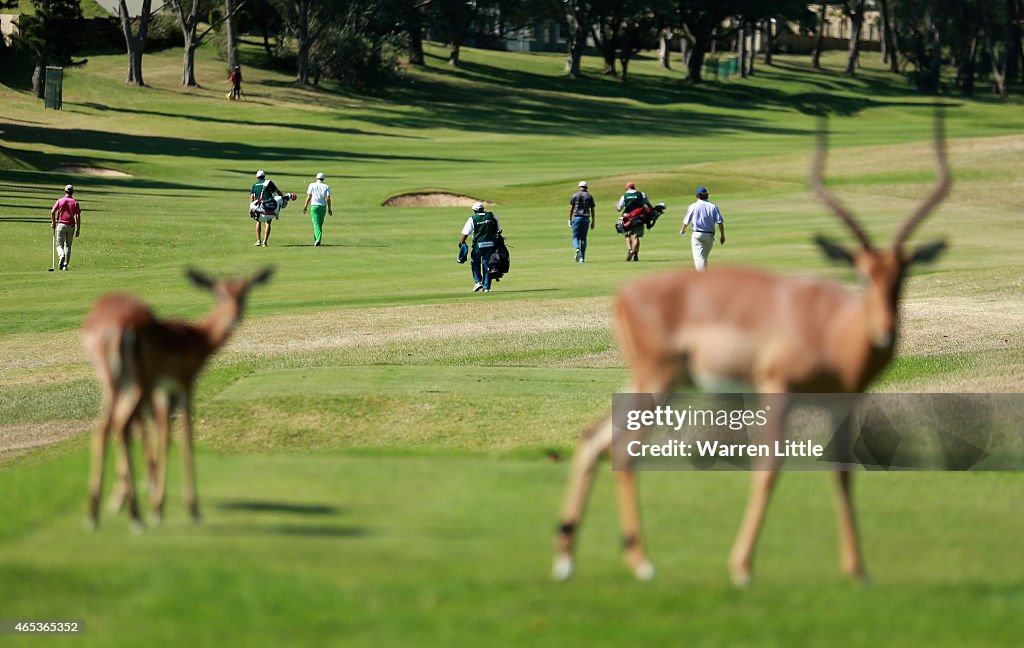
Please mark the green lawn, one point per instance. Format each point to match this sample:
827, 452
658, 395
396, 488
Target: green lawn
382, 453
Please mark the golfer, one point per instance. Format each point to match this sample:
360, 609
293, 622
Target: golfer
318, 194
703, 215
65, 215
630, 202
483, 225
581, 219
261, 190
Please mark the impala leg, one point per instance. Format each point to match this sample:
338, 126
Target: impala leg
125, 410
629, 517
849, 547
762, 482
156, 455
189, 476
99, 453
581, 475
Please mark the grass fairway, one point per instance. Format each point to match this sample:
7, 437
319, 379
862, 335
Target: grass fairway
357, 487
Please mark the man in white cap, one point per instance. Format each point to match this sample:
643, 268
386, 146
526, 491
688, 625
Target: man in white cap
581, 219
484, 227
318, 194
262, 189
703, 215
65, 215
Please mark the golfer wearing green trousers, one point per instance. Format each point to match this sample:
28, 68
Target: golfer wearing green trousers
319, 196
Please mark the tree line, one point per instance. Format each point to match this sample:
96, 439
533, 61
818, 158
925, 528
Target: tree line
938, 44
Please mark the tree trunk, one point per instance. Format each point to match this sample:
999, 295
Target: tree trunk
965, 71
857, 21
664, 52
769, 41
416, 43
888, 41
684, 50
188, 34
135, 43
39, 74
1012, 41
816, 52
577, 39
751, 48
695, 66
625, 69
231, 30
608, 54
302, 35
453, 55
741, 49
998, 61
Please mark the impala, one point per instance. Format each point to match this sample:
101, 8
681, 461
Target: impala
147, 363
775, 334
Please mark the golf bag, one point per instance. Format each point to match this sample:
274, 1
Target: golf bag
643, 216
498, 261
269, 209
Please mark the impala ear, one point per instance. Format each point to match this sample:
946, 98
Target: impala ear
927, 252
262, 277
834, 251
199, 279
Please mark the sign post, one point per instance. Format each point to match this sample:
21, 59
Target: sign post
53, 91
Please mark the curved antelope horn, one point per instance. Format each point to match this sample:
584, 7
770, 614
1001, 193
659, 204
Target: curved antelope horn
940, 190
826, 196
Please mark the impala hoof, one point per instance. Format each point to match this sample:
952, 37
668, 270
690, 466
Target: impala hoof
89, 524
562, 568
137, 527
741, 578
644, 571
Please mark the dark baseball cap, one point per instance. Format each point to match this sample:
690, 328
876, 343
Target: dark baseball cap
701, 190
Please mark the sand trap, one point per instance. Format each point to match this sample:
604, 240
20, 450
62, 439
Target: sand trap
93, 171
431, 199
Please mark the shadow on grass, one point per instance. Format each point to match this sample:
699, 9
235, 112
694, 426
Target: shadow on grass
149, 145
308, 530
263, 506
520, 101
320, 127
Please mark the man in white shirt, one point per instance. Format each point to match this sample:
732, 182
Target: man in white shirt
703, 215
319, 195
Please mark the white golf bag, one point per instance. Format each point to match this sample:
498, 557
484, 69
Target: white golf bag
270, 208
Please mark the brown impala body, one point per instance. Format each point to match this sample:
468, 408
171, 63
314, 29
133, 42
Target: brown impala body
741, 328
146, 363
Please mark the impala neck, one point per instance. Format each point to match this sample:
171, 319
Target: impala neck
866, 341
220, 323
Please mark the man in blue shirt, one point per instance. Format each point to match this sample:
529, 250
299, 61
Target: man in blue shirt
703, 215
581, 219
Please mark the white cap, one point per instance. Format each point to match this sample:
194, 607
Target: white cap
260, 174
478, 206
68, 188
319, 176
583, 183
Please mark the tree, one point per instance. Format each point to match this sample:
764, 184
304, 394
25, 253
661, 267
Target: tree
891, 55
856, 15
307, 20
819, 37
455, 18
189, 24
231, 8
701, 19
579, 16
135, 40
51, 35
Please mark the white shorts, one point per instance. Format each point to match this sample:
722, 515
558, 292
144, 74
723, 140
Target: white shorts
266, 218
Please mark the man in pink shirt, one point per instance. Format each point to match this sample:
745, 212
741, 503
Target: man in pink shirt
65, 215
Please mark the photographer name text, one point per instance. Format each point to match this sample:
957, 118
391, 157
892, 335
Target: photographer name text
779, 449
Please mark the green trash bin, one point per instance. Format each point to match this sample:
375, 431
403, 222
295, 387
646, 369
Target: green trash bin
53, 90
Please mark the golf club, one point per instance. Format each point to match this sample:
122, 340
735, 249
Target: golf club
53, 251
